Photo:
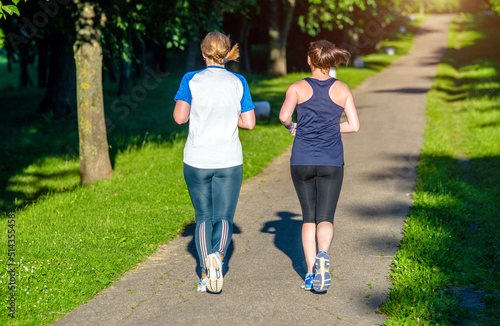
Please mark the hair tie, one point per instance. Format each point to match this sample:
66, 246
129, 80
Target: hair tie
224, 60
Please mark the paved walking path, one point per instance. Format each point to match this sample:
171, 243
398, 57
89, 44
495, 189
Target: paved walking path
266, 263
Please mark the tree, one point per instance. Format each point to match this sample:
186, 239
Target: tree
60, 96
9, 9
348, 15
19, 32
124, 41
239, 17
495, 6
43, 63
280, 19
94, 152
44, 30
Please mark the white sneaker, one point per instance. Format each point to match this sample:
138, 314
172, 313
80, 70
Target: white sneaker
202, 285
213, 263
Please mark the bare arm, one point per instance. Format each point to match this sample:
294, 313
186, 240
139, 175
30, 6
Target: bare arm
352, 123
181, 112
288, 107
247, 120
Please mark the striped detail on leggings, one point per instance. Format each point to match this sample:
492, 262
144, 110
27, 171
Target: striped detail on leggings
203, 242
224, 236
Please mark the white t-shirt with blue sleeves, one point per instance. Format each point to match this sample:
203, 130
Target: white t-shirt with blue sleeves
217, 98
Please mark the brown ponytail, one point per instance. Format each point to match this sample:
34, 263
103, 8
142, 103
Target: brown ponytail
324, 55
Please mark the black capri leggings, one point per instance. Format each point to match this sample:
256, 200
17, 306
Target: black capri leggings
318, 189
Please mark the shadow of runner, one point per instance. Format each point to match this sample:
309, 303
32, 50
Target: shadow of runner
288, 239
191, 247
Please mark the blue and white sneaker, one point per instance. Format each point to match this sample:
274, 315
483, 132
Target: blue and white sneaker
202, 285
213, 263
308, 282
322, 278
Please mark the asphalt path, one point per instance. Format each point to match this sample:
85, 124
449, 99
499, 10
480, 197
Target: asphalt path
265, 263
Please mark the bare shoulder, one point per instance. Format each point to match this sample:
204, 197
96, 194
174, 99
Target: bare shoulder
342, 87
298, 84
340, 93
301, 89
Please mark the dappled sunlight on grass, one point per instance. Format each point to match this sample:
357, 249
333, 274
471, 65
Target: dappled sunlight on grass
48, 175
451, 237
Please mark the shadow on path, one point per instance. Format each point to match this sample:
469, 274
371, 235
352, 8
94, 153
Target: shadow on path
288, 239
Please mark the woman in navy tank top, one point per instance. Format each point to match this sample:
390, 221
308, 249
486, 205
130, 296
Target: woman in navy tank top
317, 161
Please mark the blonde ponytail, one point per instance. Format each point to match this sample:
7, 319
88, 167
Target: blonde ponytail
217, 47
234, 54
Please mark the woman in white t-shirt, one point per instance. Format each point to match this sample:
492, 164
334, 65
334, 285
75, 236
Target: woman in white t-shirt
215, 102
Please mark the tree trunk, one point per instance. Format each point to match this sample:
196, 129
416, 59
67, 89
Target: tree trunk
351, 42
246, 26
108, 68
126, 66
24, 61
159, 58
94, 153
278, 35
43, 47
378, 39
9, 61
42, 69
140, 55
193, 50
133, 57
60, 96
124, 76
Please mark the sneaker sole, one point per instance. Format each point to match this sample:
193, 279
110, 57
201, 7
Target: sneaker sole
322, 279
214, 274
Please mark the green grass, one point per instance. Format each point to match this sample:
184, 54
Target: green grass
450, 252
71, 241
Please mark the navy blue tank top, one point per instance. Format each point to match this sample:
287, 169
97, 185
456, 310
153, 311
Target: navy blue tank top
318, 140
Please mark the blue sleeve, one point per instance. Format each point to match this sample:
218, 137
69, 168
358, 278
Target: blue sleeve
246, 99
184, 93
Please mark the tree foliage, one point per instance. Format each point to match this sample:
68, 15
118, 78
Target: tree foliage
9, 9
331, 14
495, 6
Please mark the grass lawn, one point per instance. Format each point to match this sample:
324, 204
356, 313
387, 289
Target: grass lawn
447, 271
71, 241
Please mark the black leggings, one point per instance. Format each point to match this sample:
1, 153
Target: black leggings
318, 189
